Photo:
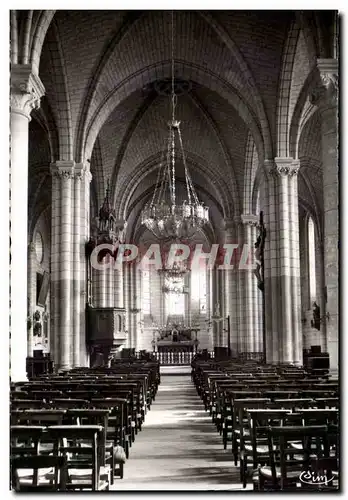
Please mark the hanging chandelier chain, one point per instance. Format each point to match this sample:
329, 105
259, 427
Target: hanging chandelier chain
158, 182
173, 164
168, 171
185, 166
162, 217
189, 184
173, 82
172, 131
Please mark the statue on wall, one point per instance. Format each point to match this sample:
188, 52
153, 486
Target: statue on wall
259, 254
315, 322
217, 310
107, 216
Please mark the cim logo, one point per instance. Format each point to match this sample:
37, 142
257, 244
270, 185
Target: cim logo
309, 477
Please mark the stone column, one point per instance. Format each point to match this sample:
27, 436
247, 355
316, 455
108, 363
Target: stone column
259, 320
76, 186
187, 298
80, 223
282, 263
110, 278
118, 285
231, 289
70, 184
219, 292
209, 309
62, 253
214, 301
95, 288
322, 300
256, 294
102, 284
133, 303
248, 307
135, 289
31, 296
126, 301
137, 304
325, 96
223, 302
83, 177
26, 91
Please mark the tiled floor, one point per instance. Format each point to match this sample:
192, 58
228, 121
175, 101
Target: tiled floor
178, 448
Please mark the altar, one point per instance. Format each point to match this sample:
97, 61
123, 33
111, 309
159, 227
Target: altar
176, 340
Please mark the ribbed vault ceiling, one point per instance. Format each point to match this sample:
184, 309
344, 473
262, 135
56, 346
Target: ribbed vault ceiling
101, 70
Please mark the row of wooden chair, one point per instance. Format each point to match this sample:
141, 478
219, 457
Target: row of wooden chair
86, 464
247, 402
81, 419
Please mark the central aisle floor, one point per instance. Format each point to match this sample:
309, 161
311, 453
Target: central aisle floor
178, 448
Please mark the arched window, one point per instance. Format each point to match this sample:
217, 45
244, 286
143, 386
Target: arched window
199, 288
175, 304
175, 299
311, 262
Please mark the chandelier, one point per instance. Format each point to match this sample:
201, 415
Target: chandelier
174, 273
163, 216
175, 286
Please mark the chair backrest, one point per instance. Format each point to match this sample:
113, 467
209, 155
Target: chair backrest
67, 441
316, 416
32, 481
282, 394
292, 403
92, 417
25, 439
259, 422
240, 408
327, 403
27, 404
67, 403
17, 394
313, 439
38, 417
44, 395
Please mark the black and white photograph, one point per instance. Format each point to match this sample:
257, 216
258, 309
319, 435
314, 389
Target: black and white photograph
174, 257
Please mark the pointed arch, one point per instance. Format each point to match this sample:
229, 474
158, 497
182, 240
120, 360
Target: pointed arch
284, 90
250, 167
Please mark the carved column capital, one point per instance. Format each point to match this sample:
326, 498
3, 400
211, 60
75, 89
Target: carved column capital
286, 166
282, 167
325, 93
26, 90
63, 169
250, 220
68, 169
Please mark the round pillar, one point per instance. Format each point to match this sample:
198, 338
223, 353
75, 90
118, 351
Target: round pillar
26, 90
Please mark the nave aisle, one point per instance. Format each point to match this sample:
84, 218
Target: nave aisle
178, 448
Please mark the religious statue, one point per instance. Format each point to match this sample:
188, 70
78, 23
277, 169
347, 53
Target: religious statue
37, 325
259, 249
217, 310
107, 216
175, 334
315, 322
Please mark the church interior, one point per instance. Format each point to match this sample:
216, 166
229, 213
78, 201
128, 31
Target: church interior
174, 311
